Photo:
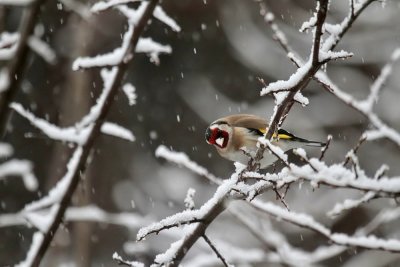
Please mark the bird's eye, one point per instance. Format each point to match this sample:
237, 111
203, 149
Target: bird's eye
208, 134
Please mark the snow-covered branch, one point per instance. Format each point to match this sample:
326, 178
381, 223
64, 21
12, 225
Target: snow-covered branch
16, 65
84, 133
306, 221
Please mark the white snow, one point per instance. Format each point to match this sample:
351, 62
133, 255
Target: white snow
350, 204
68, 134
305, 220
129, 91
309, 24
117, 131
117, 257
288, 84
16, 2
42, 219
190, 215
189, 202
154, 49
108, 77
37, 240
103, 5
6, 150
93, 213
113, 58
4, 79
23, 168
160, 14
89, 213
277, 151
8, 45
167, 256
182, 159
58, 191
42, 49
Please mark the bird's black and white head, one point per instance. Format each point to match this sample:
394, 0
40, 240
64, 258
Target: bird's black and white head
219, 134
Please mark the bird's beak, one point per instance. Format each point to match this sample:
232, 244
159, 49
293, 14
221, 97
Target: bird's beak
208, 135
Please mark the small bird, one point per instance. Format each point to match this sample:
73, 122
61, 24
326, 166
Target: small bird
235, 137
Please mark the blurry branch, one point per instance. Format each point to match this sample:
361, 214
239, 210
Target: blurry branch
89, 213
17, 65
181, 159
16, 2
212, 246
121, 261
77, 163
349, 204
306, 221
22, 168
273, 240
17, 167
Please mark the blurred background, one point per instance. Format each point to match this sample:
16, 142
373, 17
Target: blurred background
212, 72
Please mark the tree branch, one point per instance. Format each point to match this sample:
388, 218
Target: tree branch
212, 246
86, 148
16, 67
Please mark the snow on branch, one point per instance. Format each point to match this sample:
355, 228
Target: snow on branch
113, 58
42, 49
16, 65
129, 91
90, 213
367, 105
16, 2
117, 131
17, 167
37, 239
306, 221
144, 45
68, 134
182, 159
121, 261
79, 133
381, 129
58, 191
22, 168
104, 5
8, 45
60, 196
191, 216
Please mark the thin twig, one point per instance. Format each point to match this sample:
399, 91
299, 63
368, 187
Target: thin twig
215, 250
354, 150
325, 148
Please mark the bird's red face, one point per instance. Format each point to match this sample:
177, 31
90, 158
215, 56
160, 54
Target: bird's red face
217, 137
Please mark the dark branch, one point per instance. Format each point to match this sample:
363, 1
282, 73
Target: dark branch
17, 65
66, 199
215, 250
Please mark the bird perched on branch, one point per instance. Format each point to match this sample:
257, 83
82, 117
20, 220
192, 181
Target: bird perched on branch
235, 137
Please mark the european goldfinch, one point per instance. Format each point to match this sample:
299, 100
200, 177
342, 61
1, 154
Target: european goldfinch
235, 138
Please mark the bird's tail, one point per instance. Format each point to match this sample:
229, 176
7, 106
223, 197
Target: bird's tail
309, 143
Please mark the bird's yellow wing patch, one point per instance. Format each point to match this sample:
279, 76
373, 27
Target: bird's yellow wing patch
283, 135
